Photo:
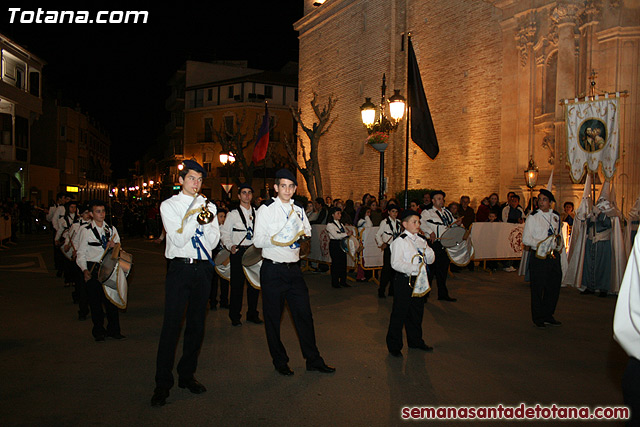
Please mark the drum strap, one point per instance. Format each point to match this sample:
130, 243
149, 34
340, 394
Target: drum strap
102, 239
244, 222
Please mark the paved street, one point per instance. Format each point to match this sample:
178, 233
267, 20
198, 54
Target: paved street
486, 352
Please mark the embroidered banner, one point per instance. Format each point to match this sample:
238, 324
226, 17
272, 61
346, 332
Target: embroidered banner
593, 137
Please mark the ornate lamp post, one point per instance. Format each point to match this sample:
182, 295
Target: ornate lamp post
531, 178
379, 129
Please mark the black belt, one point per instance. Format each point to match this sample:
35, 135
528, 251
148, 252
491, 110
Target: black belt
412, 279
286, 264
189, 260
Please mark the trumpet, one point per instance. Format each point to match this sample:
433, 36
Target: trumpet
205, 216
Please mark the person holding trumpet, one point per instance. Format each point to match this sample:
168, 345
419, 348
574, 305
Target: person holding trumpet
409, 256
279, 224
192, 233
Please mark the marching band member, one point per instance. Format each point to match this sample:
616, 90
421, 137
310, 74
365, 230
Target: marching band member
434, 222
72, 241
390, 228
337, 232
237, 235
188, 282
53, 215
94, 239
281, 278
408, 310
65, 222
541, 231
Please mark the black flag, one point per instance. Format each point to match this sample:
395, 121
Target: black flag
422, 130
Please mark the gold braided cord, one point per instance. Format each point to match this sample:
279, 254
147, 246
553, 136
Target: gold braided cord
187, 215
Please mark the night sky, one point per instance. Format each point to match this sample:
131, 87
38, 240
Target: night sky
118, 73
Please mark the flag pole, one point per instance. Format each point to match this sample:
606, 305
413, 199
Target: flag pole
406, 138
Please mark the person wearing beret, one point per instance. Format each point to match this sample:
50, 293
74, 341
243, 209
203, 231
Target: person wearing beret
407, 311
281, 277
189, 245
544, 265
434, 222
389, 230
237, 236
337, 232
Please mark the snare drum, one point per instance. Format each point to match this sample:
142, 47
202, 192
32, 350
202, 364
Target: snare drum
452, 236
222, 257
251, 256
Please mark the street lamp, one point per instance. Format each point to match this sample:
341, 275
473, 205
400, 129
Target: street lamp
226, 159
531, 178
379, 129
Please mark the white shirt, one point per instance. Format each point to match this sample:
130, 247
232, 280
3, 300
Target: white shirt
537, 227
388, 231
626, 321
435, 221
73, 235
233, 230
269, 221
365, 223
57, 214
90, 248
335, 231
63, 225
180, 245
403, 250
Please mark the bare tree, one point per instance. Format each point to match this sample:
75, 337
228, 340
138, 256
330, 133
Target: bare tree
311, 169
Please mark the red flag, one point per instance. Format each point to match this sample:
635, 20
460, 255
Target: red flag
262, 142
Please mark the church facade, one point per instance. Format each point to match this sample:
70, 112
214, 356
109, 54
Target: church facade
495, 73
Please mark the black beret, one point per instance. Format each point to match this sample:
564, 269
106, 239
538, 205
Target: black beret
286, 174
548, 193
392, 206
194, 166
407, 213
243, 186
433, 193
333, 210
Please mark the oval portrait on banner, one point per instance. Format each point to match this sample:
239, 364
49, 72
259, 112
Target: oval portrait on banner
593, 135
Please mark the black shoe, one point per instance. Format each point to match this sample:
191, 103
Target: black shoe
285, 370
255, 320
395, 353
553, 322
100, 338
160, 395
117, 336
602, 294
586, 291
540, 324
236, 323
82, 316
345, 285
213, 307
193, 385
447, 299
381, 295
423, 346
324, 368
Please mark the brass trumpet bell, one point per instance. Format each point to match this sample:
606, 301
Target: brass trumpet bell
205, 216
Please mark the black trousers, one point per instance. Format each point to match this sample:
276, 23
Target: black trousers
187, 286
58, 258
387, 274
407, 313
280, 283
80, 292
97, 299
237, 285
546, 278
338, 264
631, 390
440, 269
